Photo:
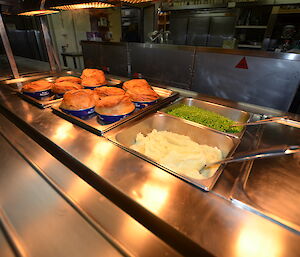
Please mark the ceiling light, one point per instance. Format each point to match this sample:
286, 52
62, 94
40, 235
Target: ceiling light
99, 5
78, 4
34, 8
38, 12
135, 1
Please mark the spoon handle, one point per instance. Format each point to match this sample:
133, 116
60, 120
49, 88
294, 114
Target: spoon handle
270, 120
260, 153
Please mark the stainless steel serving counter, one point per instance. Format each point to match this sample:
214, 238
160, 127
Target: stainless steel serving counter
47, 210
181, 216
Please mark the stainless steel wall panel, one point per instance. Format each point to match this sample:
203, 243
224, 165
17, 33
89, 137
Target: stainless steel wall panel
91, 54
178, 28
198, 31
111, 55
267, 82
164, 63
271, 79
220, 28
114, 56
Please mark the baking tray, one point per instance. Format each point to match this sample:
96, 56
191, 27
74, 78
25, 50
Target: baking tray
94, 125
52, 100
231, 113
125, 136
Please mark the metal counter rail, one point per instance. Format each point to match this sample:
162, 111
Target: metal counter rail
99, 213
26, 202
183, 216
6, 249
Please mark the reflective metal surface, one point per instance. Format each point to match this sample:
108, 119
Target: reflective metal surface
44, 223
180, 214
271, 79
101, 214
126, 137
267, 82
267, 182
113, 57
5, 249
160, 63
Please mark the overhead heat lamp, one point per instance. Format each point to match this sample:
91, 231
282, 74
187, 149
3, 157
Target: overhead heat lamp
79, 4
35, 8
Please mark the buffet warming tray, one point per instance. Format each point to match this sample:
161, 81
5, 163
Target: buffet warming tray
45, 103
267, 182
94, 125
125, 136
231, 113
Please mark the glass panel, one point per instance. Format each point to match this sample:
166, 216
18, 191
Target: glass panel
27, 43
5, 71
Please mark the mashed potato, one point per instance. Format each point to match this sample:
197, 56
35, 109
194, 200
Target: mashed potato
177, 152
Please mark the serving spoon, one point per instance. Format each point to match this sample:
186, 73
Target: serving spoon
258, 153
258, 122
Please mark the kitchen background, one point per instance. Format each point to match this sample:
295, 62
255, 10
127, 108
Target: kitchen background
267, 25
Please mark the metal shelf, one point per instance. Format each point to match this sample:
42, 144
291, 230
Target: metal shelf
249, 46
250, 27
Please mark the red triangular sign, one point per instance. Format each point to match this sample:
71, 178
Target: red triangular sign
242, 64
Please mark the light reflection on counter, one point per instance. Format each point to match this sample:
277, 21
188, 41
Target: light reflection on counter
155, 192
78, 190
256, 241
63, 132
96, 159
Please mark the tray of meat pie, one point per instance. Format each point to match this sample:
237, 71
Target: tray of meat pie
50, 90
105, 107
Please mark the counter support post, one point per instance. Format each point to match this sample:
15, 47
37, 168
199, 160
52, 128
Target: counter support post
8, 50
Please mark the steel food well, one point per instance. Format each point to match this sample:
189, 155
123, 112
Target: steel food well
231, 113
126, 137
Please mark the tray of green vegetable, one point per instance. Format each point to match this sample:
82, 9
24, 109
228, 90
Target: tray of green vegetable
214, 116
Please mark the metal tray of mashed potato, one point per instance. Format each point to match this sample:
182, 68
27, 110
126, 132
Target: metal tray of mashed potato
231, 113
94, 125
125, 136
47, 102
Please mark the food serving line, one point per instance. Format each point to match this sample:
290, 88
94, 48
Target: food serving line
226, 221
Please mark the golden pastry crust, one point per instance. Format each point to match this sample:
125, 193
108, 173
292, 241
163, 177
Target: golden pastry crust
36, 86
98, 77
114, 105
68, 78
64, 86
108, 91
135, 83
78, 99
140, 91
92, 82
